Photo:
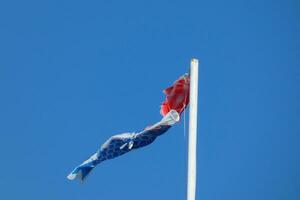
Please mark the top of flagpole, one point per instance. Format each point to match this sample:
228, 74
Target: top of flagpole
194, 61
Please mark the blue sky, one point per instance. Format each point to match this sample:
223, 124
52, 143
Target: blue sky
73, 73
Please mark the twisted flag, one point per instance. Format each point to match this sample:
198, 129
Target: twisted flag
177, 98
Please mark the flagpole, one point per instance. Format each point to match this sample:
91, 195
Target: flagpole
192, 138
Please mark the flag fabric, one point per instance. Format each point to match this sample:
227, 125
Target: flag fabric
177, 96
123, 143
176, 101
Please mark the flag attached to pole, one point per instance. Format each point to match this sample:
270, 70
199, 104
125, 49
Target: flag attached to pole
177, 98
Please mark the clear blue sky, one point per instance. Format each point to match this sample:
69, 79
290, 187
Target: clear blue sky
73, 73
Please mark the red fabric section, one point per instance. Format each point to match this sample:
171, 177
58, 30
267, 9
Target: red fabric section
177, 96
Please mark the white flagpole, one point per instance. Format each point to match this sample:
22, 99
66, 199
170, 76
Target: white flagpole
192, 138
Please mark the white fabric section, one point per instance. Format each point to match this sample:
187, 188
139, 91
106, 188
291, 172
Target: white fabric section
71, 176
168, 120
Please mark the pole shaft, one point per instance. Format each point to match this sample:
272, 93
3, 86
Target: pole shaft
192, 138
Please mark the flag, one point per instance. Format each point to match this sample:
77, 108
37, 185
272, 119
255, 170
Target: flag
176, 101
